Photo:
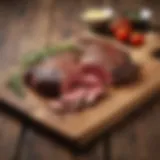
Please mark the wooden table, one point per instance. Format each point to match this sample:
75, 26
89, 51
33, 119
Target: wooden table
29, 25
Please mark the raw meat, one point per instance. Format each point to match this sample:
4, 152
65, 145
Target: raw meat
49, 78
112, 61
77, 82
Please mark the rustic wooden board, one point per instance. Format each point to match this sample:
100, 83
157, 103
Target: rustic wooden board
83, 126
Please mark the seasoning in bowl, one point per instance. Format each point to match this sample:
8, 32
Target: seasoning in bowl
98, 20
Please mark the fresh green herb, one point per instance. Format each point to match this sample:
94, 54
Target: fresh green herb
133, 15
16, 85
36, 57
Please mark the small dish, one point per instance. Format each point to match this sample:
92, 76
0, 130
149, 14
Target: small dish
98, 20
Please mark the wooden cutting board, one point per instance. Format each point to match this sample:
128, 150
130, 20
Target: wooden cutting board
85, 125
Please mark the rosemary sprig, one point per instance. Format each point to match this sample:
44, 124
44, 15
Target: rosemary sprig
15, 84
36, 57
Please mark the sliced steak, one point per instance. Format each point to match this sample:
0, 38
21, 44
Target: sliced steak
113, 62
49, 77
80, 81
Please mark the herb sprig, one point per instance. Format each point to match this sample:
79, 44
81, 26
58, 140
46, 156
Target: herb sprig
33, 58
15, 83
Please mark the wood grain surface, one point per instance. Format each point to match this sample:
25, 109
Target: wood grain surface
24, 26
10, 131
10, 127
139, 136
37, 146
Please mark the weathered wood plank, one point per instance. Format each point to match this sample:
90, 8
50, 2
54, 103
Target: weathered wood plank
13, 32
148, 134
139, 138
66, 20
28, 30
10, 128
97, 152
6, 14
38, 146
36, 28
10, 131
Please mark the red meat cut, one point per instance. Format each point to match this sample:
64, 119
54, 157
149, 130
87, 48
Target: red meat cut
76, 82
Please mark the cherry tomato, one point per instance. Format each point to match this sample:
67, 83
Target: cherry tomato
122, 34
137, 39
